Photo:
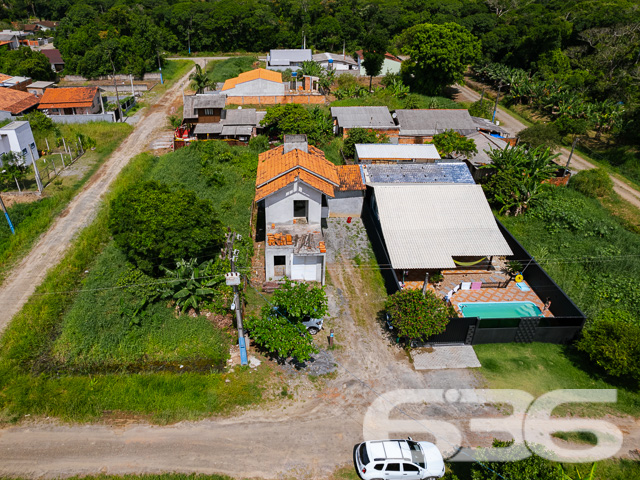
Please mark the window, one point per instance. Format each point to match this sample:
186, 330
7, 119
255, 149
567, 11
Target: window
393, 467
410, 467
279, 260
378, 466
300, 208
209, 111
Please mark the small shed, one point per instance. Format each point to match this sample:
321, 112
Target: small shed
391, 153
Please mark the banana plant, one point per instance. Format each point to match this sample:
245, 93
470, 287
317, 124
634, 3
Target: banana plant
566, 476
191, 283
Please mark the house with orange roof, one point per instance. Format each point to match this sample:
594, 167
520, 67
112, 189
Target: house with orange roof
294, 185
71, 101
255, 82
17, 102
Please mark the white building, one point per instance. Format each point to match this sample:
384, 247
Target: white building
17, 137
287, 59
340, 63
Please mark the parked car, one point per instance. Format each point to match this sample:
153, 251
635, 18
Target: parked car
398, 459
314, 325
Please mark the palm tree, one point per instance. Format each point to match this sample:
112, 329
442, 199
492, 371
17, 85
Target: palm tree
200, 80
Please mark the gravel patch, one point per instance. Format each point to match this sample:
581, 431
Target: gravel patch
348, 240
319, 364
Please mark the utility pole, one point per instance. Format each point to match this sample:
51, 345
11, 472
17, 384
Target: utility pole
116, 87
233, 279
495, 108
6, 214
160, 69
573, 147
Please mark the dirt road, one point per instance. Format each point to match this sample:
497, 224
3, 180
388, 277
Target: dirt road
513, 126
49, 250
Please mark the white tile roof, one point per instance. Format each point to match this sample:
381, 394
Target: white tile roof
401, 151
424, 226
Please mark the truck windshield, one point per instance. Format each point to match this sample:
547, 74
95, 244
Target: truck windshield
416, 454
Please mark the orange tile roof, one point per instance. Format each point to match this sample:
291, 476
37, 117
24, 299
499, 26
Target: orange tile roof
350, 177
288, 178
253, 75
4, 77
273, 163
68, 97
16, 101
277, 169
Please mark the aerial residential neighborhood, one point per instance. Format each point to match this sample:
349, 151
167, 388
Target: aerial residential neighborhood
314, 240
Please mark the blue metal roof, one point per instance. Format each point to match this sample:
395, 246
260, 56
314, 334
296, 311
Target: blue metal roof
437, 172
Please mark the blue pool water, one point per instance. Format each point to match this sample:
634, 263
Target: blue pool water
499, 309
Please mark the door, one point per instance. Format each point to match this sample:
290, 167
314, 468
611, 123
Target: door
393, 471
410, 471
305, 268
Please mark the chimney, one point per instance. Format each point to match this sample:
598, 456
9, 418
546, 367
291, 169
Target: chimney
295, 142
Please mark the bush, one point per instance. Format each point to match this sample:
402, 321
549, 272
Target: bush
153, 225
259, 143
417, 316
592, 183
614, 344
361, 135
481, 109
544, 135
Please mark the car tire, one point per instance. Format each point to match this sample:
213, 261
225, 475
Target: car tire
313, 330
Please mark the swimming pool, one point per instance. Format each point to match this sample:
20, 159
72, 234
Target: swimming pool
499, 309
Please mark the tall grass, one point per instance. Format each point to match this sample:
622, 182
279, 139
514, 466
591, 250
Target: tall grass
26, 343
173, 71
35, 219
221, 70
382, 99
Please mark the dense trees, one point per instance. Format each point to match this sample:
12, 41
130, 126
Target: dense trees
438, 55
153, 225
26, 62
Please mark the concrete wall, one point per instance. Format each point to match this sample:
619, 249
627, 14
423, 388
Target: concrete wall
279, 206
97, 117
346, 204
80, 78
287, 252
302, 98
4, 115
388, 66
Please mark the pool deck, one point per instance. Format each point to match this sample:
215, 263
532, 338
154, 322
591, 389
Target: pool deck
509, 294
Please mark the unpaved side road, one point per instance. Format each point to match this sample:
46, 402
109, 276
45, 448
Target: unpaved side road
49, 250
513, 126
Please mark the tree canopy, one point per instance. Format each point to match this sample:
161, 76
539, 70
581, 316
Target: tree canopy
27, 63
439, 55
451, 142
293, 118
155, 225
416, 316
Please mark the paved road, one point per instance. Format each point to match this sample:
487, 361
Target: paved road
29, 273
513, 126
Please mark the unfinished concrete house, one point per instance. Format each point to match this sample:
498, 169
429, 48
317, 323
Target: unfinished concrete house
294, 185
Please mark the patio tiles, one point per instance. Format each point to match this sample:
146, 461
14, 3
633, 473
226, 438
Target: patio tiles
509, 294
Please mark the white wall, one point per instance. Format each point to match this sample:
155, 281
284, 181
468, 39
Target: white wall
260, 86
19, 140
346, 204
279, 206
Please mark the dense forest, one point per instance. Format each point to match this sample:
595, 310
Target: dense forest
589, 46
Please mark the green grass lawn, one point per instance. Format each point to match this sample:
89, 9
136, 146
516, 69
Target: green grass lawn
99, 332
172, 71
542, 367
51, 324
31, 220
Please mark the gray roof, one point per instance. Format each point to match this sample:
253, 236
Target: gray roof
487, 125
424, 226
485, 143
244, 116
433, 121
191, 102
438, 172
363, 117
202, 128
425, 151
40, 84
14, 125
285, 57
236, 130
7, 37
336, 57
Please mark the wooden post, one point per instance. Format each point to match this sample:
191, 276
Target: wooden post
62, 158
